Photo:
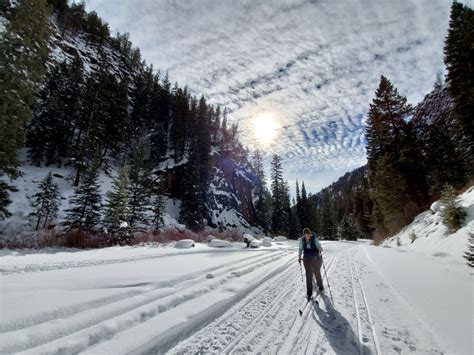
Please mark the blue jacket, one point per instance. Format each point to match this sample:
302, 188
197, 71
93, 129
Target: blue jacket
308, 252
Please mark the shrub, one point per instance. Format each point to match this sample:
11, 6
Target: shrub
453, 215
413, 236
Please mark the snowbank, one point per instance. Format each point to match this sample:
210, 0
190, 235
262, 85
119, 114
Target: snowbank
280, 238
217, 243
428, 235
256, 243
267, 242
184, 244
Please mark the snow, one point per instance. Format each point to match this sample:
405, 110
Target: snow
156, 299
267, 242
280, 238
184, 244
217, 243
256, 243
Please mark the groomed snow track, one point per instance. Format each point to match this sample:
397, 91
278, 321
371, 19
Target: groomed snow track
247, 305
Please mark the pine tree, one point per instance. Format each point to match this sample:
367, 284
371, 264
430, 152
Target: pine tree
141, 185
437, 131
394, 154
327, 218
194, 210
261, 205
4, 199
85, 211
56, 114
305, 209
117, 209
45, 202
458, 54
23, 51
347, 229
453, 214
294, 231
279, 211
179, 129
298, 201
158, 206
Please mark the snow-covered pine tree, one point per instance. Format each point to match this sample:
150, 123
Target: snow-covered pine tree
117, 210
46, 201
452, 213
23, 51
85, 211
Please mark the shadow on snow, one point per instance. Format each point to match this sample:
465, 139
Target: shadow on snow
338, 330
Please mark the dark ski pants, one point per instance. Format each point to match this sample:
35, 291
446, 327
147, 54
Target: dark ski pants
312, 266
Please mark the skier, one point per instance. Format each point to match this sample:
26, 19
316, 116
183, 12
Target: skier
311, 249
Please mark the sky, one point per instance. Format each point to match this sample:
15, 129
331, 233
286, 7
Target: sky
311, 65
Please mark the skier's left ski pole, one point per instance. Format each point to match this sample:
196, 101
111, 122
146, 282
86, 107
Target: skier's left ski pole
327, 280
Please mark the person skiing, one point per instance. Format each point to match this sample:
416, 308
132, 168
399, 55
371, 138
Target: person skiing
311, 249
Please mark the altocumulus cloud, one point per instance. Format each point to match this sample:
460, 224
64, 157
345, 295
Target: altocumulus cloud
313, 64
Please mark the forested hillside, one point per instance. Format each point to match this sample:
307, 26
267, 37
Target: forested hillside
85, 101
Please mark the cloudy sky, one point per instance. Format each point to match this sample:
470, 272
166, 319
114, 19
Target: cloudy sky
312, 65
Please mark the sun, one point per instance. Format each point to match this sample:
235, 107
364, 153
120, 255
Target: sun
265, 128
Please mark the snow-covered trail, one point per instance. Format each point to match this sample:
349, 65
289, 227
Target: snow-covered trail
215, 301
369, 316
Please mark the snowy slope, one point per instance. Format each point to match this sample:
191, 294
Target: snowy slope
233, 300
26, 184
432, 237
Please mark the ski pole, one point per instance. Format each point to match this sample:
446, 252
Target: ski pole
327, 280
301, 271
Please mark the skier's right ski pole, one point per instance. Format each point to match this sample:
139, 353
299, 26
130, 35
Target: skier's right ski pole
301, 271
327, 280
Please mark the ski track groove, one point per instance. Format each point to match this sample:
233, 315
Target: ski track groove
371, 322
97, 325
356, 306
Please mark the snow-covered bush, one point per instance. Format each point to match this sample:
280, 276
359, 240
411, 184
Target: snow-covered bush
280, 238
